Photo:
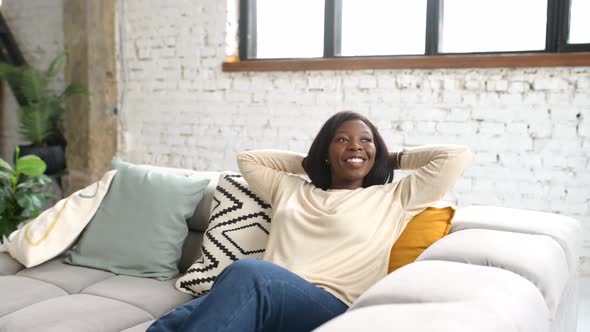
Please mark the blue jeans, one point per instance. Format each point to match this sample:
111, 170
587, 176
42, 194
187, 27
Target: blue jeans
254, 295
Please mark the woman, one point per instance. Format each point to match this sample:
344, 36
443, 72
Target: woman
330, 238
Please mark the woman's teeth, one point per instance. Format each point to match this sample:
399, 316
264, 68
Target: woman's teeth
355, 160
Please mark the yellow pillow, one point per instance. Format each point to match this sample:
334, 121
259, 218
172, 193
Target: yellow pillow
423, 230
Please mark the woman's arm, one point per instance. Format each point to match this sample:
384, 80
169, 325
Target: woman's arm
265, 169
437, 168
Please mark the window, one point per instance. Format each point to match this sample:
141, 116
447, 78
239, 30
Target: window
383, 27
280, 32
282, 29
473, 26
579, 23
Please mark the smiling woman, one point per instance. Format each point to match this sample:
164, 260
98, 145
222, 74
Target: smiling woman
330, 238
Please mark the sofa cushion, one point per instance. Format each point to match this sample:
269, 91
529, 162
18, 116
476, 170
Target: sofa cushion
18, 292
565, 230
141, 225
80, 312
72, 279
422, 231
153, 296
507, 294
537, 258
9, 265
238, 228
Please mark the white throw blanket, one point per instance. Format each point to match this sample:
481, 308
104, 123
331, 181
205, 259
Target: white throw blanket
57, 228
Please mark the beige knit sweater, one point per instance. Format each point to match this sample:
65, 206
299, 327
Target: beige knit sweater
340, 239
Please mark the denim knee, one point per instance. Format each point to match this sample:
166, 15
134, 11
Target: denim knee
246, 267
249, 271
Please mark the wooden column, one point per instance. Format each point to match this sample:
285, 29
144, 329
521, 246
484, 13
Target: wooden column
90, 120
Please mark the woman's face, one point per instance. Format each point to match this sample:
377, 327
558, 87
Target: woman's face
351, 155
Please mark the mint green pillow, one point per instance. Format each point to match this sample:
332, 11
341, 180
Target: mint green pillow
140, 227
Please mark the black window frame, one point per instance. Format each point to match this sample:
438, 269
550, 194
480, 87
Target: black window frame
555, 39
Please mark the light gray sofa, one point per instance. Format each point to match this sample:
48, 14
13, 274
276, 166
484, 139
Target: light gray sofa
498, 270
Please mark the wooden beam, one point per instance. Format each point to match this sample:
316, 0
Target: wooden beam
513, 60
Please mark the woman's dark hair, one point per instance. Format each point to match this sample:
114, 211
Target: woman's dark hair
319, 171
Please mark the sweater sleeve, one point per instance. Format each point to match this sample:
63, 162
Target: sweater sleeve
265, 169
437, 168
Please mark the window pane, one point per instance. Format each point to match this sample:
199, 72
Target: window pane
493, 25
579, 22
289, 29
383, 27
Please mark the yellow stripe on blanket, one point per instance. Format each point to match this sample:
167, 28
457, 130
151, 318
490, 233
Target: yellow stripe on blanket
49, 229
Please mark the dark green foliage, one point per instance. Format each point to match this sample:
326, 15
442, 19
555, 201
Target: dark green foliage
41, 109
21, 191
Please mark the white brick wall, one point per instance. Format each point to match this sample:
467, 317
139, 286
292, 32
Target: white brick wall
37, 27
529, 128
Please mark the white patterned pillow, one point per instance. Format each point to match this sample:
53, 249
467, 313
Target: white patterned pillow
239, 224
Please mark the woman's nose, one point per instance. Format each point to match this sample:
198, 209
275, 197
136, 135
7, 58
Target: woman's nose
354, 145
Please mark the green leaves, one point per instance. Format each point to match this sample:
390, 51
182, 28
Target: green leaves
30, 165
6, 165
74, 89
22, 191
56, 65
33, 85
40, 108
31, 201
34, 182
5, 175
37, 122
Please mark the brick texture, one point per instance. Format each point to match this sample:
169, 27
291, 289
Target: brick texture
529, 128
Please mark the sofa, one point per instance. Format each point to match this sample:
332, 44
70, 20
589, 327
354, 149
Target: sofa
498, 269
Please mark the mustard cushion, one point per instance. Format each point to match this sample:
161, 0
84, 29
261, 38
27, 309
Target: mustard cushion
423, 230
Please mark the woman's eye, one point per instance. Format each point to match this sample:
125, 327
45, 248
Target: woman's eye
342, 139
366, 140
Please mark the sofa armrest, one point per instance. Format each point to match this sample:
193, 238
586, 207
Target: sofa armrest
415, 293
428, 317
565, 230
537, 258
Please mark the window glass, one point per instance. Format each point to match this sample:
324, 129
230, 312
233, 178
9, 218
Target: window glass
493, 25
579, 22
383, 27
289, 29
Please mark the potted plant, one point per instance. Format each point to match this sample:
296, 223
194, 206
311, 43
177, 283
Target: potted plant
21, 191
40, 109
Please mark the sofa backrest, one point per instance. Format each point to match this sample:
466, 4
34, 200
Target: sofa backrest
197, 224
200, 219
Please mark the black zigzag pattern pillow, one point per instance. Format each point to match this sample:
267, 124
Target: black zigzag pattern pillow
238, 228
